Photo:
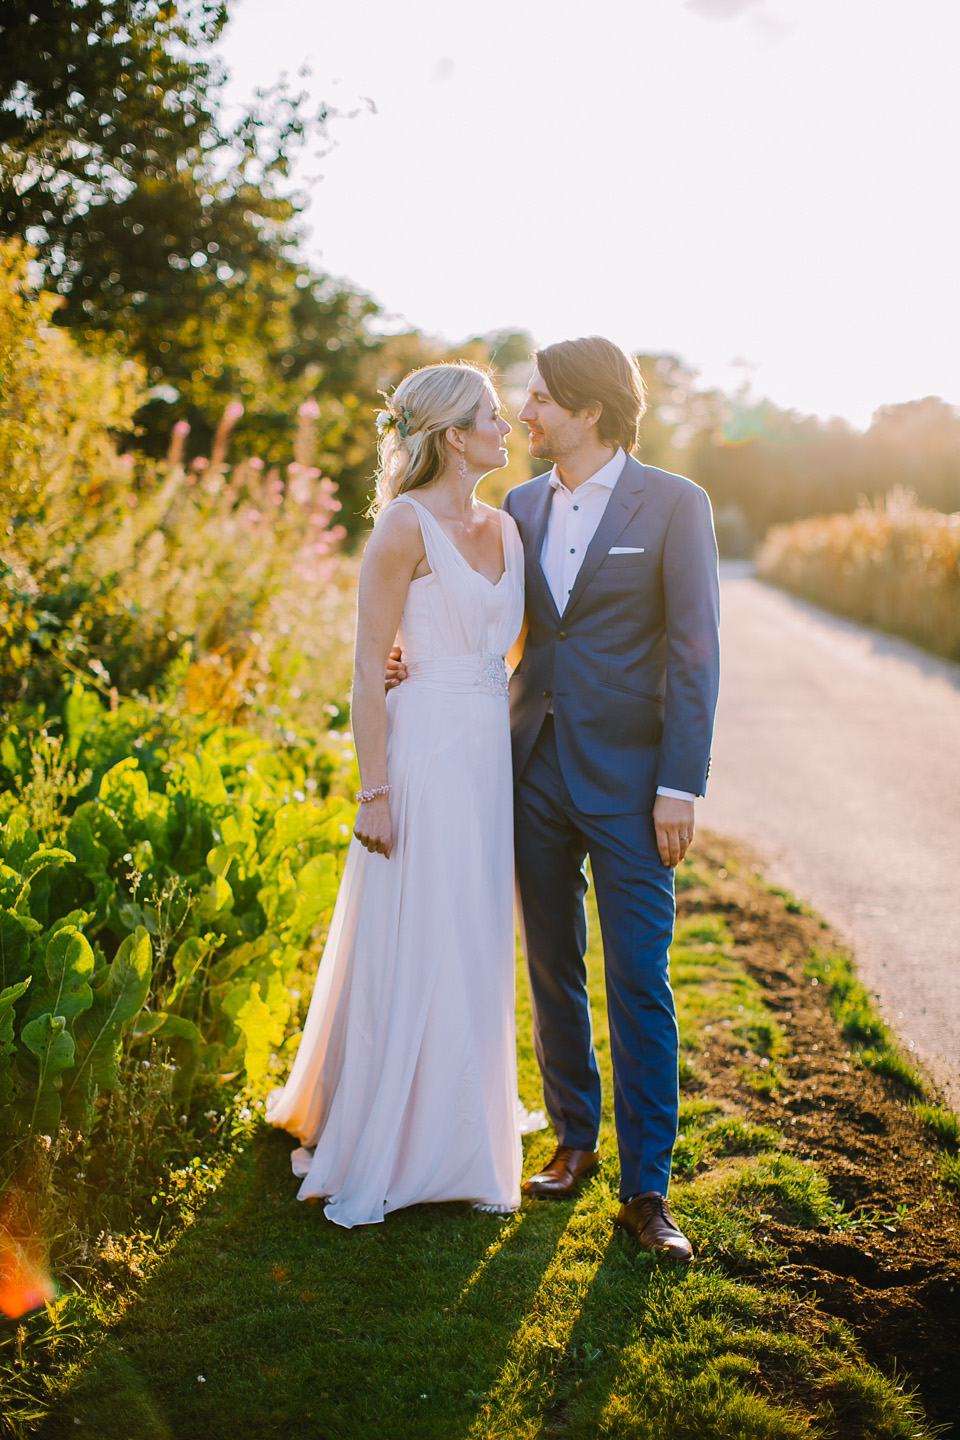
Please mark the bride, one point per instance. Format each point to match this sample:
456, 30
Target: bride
404, 1088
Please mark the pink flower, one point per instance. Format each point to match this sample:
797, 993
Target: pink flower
255, 463
182, 427
310, 410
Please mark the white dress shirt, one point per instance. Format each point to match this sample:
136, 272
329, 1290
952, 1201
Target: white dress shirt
571, 525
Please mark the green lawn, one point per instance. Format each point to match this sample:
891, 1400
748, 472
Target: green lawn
264, 1319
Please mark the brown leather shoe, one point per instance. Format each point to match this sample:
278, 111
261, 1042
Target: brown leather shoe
647, 1218
559, 1178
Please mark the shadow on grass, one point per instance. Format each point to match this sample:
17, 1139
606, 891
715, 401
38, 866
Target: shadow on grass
563, 1369
265, 1319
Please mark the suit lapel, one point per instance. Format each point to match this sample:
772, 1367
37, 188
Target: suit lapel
538, 529
625, 500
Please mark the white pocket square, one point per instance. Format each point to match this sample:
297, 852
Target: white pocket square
625, 550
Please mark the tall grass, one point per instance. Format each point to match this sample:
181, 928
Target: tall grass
210, 564
893, 564
114, 569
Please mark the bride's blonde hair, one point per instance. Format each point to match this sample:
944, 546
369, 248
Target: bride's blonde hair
414, 424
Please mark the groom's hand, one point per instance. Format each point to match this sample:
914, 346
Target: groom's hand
674, 825
396, 670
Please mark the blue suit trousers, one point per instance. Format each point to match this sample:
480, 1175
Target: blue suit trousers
635, 900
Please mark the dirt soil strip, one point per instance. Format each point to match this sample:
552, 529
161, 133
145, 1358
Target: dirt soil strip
837, 756
895, 1283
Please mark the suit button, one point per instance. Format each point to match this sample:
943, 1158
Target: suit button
561, 634
547, 694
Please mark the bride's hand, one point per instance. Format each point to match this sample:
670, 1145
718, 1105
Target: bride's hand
373, 828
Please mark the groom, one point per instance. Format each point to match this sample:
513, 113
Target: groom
612, 707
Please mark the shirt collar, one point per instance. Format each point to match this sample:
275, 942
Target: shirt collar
607, 475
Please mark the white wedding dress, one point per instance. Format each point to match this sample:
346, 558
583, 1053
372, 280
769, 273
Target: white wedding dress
404, 1088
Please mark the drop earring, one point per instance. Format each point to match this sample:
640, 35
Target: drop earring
462, 466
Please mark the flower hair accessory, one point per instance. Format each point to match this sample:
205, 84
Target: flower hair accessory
391, 419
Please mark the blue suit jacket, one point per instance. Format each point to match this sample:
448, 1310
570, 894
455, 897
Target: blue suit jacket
632, 665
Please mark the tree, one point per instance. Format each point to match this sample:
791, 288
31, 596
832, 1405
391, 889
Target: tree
115, 166
167, 237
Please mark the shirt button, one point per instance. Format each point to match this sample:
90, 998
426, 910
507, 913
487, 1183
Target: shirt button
572, 551
576, 507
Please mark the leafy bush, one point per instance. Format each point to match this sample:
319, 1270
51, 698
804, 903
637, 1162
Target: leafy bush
188, 885
58, 411
893, 565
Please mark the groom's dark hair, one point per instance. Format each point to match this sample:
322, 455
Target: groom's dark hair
594, 371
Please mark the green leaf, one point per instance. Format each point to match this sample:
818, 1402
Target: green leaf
48, 1038
81, 840
17, 841
9, 756
51, 1042
216, 900
118, 999
178, 1027
261, 1031
76, 918
221, 857
14, 947
204, 780
40, 859
81, 712
69, 965
145, 1024
107, 834
189, 956
131, 914
128, 980
125, 791
8, 1044
316, 893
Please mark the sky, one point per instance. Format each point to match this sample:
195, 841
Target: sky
765, 188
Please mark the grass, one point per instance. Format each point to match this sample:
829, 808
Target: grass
853, 1010
263, 1319
943, 1123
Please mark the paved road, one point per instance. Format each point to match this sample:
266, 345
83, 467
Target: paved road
837, 758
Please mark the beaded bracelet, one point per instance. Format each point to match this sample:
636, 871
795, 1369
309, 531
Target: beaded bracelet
364, 796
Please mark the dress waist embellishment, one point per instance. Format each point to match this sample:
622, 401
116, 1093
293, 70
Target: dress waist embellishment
482, 670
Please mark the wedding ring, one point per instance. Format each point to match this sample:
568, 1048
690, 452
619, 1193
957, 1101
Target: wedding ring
685, 839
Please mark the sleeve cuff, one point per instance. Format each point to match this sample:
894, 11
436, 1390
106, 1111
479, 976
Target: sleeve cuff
676, 794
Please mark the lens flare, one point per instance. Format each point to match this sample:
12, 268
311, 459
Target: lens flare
25, 1281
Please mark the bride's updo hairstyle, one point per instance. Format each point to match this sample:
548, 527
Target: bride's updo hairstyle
414, 423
